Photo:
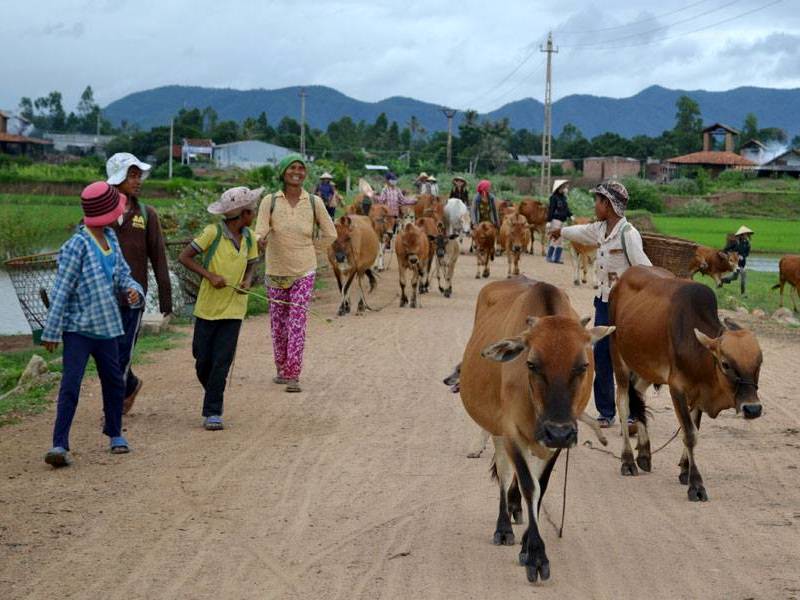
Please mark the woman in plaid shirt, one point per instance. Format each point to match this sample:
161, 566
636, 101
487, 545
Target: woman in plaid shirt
92, 279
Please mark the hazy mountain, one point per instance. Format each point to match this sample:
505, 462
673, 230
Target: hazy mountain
649, 112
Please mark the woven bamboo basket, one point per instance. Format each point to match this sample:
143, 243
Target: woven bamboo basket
671, 253
33, 278
190, 281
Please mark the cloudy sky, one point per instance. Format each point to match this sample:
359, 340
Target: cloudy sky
466, 53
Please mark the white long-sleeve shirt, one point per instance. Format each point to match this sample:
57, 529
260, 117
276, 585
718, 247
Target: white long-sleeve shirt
611, 259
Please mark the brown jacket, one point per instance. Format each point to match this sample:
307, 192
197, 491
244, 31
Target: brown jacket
140, 243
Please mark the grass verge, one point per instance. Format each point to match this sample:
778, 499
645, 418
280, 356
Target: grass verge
38, 398
759, 292
771, 236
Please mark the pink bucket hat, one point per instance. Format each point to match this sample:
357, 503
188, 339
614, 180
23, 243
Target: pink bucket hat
102, 204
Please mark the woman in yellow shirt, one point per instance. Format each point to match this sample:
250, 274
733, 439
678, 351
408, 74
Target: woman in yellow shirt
288, 223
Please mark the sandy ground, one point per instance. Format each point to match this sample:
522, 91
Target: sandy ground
360, 488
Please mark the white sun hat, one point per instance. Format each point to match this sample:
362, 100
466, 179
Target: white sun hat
235, 199
117, 167
558, 183
326, 175
743, 230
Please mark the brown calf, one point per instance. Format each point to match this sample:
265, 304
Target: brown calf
429, 206
352, 255
430, 226
412, 249
515, 236
668, 332
483, 240
383, 224
528, 395
714, 263
536, 213
789, 268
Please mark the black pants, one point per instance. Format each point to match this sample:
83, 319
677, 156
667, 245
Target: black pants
603, 367
331, 211
131, 323
213, 348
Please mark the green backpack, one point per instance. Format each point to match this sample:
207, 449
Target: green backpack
209, 253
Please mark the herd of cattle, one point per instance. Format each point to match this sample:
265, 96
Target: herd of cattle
526, 373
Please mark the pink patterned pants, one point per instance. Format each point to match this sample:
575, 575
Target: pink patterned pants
288, 324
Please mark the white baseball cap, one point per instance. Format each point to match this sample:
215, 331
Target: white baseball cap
117, 167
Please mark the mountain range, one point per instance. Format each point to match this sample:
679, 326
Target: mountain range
649, 112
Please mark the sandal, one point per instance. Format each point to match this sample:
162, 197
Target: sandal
119, 445
605, 422
280, 380
293, 386
58, 457
213, 423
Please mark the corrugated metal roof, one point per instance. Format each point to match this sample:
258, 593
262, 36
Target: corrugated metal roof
712, 158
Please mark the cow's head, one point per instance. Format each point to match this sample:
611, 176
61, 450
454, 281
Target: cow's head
411, 239
342, 245
557, 351
519, 234
730, 260
737, 360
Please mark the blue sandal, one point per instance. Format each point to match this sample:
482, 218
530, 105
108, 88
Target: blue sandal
58, 457
213, 423
119, 445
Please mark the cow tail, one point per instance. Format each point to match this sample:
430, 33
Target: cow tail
493, 469
372, 281
638, 410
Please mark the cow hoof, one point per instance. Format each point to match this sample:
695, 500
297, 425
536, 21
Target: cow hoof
478, 276
486, 274
697, 494
536, 565
576, 283
684, 477
474, 454
342, 312
644, 462
503, 538
516, 516
447, 293
629, 469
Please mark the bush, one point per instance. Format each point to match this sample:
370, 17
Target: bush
12, 159
581, 203
643, 195
734, 179
698, 208
178, 170
683, 186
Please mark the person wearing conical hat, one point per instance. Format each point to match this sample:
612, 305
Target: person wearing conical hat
326, 190
460, 190
557, 214
433, 187
421, 183
739, 243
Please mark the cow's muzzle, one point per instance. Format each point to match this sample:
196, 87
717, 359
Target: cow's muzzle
340, 257
558, 435
516, 249
413, 259
751, 411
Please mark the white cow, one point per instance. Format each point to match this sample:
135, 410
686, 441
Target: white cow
456, 218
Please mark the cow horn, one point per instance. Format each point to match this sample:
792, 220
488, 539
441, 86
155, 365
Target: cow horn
731, 324
708, 342
598, 333
585, 321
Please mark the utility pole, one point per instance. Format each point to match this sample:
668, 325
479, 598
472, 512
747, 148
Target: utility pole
547, 134
98, 120
449, 113
171, 143
303, 121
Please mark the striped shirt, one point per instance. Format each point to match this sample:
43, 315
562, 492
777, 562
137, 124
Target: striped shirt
83, 300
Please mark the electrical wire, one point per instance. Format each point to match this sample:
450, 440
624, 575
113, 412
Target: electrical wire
634, 23
685, 33
656, 29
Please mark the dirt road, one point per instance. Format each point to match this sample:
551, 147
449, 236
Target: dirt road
360, 488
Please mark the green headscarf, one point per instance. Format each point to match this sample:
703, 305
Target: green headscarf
287, 161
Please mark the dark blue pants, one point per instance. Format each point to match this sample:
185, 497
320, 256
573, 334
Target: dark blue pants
131, 322
77, 350
214, 348
603, 368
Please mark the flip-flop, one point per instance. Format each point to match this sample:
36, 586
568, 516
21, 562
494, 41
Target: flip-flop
293, 386
119, 445
213, 423
280, 380
58, 457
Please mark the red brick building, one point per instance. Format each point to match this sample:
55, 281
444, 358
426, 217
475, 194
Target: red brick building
599, 168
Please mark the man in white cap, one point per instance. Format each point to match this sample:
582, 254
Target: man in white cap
739, 243
229, 254
141, 240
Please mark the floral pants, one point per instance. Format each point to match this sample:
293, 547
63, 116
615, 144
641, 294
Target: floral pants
288, 324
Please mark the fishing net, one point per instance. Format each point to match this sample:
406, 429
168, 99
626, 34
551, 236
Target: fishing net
33, 278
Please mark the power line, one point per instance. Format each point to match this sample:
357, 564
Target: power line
685, 33
626, 25
662, 28
525, 80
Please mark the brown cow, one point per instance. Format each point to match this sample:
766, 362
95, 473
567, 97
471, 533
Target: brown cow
447, 250
714, 263
583, 258
668, 332
528, 395
412, 249
789, 272
515, 235
483, 240
431, 228
352, 255
536, 213
429, 206
384, 225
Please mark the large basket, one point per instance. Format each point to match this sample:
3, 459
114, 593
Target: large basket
33, 278
671, 253
190, 281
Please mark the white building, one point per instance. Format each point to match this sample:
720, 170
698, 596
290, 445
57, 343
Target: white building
83, 142
248, 154
196, 149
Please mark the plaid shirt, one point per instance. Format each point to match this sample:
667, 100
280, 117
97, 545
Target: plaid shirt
393, 198
82, 300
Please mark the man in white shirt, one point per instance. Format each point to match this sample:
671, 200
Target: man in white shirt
619, 247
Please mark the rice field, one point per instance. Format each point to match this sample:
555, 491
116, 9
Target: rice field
771, 236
